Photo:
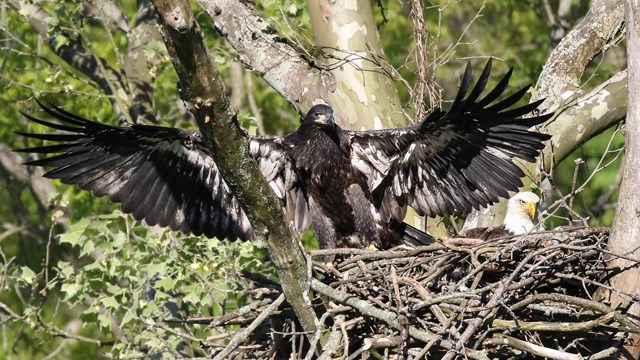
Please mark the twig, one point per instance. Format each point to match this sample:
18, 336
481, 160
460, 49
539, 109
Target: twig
584, 303
212, 322
242, 335
333, 342
316, 337
551, 326
499, 339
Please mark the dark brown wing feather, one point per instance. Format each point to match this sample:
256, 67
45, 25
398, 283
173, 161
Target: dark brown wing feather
276, 167
452, 161
163, 175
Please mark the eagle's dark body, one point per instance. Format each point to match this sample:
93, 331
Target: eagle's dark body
338, 195
352, 186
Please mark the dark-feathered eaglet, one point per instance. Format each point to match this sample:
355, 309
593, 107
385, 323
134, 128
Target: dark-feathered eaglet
352, 186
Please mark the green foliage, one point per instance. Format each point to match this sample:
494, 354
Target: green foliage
125, 278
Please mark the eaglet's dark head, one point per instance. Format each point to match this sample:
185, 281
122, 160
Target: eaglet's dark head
321, 115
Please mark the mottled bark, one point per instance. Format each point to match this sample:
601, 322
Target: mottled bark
365, 95
204, 95
560, 77
581, 119
298, 79
271, 57
625, 237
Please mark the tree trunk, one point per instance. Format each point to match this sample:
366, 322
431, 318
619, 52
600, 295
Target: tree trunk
365, 96
204, 95
625, 237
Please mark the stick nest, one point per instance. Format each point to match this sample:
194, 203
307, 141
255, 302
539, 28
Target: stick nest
459, 298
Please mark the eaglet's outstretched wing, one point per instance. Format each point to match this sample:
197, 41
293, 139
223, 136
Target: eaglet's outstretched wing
165, 176
452, 161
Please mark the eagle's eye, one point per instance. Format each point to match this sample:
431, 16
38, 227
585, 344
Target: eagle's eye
522, 202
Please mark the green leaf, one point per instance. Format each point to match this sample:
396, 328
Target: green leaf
27, 275
194, 297
70, 289
60, 41
103, 321
293, 9
118, 240
114, 290
87, 248
149, 309
65, 269
127, 318
166, 283
159, 267
111, 302
76, 233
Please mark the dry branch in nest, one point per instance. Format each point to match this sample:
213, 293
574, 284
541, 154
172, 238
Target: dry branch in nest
459, 298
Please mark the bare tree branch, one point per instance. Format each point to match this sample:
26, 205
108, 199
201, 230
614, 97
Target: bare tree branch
562, 72
268, 55
12, 163
583, 118
108, 10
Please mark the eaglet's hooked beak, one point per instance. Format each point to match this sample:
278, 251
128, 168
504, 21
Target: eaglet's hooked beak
325, 119
530, 208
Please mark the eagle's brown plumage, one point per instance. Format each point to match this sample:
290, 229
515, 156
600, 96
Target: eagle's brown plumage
353, 186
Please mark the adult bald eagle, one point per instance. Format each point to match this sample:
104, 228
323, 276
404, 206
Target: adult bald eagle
352, 186
519, 219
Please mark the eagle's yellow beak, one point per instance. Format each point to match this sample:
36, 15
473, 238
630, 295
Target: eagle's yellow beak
530, 208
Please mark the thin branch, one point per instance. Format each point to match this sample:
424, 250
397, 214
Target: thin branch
241, 336
500, 339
